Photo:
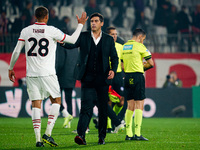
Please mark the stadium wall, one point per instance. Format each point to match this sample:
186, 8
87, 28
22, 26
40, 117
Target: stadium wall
186, 66
176, 102
196, 101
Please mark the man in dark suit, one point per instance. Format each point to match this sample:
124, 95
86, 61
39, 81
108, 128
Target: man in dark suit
95, 72
65, 64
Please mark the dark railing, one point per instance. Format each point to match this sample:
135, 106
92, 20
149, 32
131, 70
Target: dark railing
156, 44
172, 43
8, 42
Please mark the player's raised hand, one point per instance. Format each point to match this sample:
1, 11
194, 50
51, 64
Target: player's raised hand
11, 75
83, 18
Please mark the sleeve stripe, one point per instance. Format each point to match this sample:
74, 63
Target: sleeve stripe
63, 38
21, 40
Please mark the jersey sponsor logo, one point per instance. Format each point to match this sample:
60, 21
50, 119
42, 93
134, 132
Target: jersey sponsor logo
127, 47
148, 52
38, 30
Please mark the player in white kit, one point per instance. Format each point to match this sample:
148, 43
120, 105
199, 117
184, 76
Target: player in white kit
40, 42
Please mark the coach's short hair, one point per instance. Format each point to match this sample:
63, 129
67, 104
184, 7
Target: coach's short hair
110, 28
97, 15
137, 32
41, 12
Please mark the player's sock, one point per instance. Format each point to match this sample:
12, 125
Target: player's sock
52, 118
109, 125
138, 121
69, 125
65, 113
36, 119
117, 109
128, 120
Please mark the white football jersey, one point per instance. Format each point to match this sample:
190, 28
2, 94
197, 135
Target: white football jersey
40, 48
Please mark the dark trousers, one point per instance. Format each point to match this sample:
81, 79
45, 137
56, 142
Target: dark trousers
123, 111
90, 95
111, 114
68, 99
116, 119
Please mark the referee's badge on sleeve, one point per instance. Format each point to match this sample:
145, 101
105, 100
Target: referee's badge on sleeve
148, 52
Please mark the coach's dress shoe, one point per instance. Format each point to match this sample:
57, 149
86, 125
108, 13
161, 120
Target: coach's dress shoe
101, 141
80, 140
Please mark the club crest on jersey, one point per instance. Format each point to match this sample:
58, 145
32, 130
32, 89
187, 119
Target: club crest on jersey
127, 47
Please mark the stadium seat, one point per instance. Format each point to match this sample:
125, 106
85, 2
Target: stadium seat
78, 3
77, 10
106, 12
129, 17
73, 24
56, 10
10, 13
65, 11
130, 13
114, 13
125, 33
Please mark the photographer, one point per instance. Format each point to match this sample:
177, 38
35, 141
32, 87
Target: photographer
172, 80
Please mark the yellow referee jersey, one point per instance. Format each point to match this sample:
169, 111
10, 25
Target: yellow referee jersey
119, 48
133, 54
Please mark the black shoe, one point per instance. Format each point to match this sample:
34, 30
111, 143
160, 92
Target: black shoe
101, 141
80, 140
140, 138
49, 140
39, 144
96, 122
129, 138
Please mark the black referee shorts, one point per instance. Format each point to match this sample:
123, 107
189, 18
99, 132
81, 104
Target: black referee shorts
134, 86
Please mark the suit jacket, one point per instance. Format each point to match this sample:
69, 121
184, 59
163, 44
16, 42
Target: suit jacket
108, 54
65, 64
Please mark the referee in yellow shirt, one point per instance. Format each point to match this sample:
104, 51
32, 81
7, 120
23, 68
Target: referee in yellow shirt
134, 85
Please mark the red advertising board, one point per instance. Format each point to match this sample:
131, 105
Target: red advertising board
19, 68
187, 67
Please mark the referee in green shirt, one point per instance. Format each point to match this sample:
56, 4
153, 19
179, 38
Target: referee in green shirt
133, 53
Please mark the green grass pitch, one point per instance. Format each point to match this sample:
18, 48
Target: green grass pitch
163, 133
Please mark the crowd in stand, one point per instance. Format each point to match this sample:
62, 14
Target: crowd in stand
161, 17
